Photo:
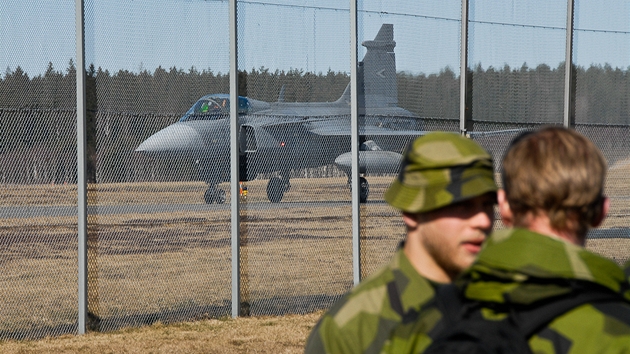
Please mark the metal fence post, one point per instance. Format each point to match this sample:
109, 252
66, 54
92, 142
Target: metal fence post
81, 168
354, 149
465, 77
234, 164
569, 72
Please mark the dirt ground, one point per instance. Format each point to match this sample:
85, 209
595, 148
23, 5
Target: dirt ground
266, 334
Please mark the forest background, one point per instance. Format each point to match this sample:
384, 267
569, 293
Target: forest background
38, 114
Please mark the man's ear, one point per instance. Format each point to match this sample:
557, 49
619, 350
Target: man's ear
410, 220
504, 209
599, 218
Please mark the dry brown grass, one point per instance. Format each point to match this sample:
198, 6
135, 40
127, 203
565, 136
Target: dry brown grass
147, 263
151, 263
286, 334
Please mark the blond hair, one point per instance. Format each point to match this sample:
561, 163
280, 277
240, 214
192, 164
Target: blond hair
557, 172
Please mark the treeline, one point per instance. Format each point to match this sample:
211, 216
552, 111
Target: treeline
507, 94
38, 127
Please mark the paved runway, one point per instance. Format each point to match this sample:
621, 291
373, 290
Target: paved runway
41, 211
25, 212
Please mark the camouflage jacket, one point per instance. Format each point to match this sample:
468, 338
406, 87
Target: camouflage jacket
365, 317
521, 267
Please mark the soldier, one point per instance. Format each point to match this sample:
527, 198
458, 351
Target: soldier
553, 184
446, 192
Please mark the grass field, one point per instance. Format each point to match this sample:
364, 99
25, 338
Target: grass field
178, 265
170, 263
266, 334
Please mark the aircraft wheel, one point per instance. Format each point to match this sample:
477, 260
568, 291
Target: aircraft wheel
220, 196
275, 189
213, 195
287, 186
208, 196
364, 191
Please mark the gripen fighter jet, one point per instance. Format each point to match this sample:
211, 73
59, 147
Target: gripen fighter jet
278, 137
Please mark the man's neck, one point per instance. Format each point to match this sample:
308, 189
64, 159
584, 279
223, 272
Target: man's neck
424, 264
542, 225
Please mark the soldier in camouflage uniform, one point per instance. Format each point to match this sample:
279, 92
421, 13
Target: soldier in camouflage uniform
446, 193
553, 183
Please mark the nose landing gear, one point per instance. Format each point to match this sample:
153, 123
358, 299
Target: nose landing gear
214, 195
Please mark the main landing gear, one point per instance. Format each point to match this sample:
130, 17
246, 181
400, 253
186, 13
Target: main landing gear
276, 187
364, 189
214, 195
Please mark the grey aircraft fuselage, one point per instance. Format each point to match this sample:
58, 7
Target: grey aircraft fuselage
284, 136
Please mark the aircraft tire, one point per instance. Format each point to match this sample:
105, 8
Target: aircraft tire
364, 190
213, 195
208, 196
220, 196
275, 189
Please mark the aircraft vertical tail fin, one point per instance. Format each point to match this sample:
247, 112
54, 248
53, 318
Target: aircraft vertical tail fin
281, 94
377, 71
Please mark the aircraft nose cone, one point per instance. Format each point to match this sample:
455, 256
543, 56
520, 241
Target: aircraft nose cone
176, 138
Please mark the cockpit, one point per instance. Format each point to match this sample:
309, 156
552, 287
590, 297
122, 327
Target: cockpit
214, 107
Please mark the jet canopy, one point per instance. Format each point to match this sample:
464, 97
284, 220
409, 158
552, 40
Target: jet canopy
213, 107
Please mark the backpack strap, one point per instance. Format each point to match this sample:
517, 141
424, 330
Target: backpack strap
450, 304
531, 319
449, 301
464, 328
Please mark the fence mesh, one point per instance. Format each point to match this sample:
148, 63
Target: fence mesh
296, 250
612, 239
38, 194
156, 251
158, 152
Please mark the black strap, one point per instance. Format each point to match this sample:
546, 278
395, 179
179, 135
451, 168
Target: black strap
449, 302
529, 319
532, 319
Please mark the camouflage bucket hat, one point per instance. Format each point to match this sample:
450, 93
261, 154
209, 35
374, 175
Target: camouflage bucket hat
439, 169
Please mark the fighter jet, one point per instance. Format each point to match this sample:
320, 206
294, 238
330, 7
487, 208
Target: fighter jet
277, 137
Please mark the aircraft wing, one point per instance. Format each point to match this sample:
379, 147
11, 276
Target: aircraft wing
341, 127
381, 131
364, 130
327, 127
494, 133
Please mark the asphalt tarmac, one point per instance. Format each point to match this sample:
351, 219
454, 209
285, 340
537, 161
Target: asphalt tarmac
25, 212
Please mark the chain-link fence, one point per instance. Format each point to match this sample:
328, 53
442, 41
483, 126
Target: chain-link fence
159, 155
